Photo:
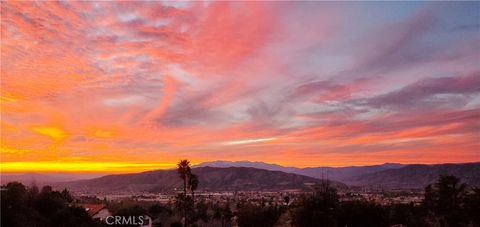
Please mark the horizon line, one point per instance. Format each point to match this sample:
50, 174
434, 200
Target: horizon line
107, 168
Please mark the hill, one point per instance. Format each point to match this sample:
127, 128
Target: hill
333, 173
211, 179
343, 173
387, 175
418, 176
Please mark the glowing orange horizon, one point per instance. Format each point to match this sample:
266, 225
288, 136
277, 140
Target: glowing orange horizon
80, 167
125, 167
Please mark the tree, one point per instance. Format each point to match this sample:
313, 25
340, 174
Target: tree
445, 199
193, 185
202, 211
405, 214
286, 199
184, 170
66, 195
257, 215
222, 213
359, 213
319, 209
22, 207
472, 206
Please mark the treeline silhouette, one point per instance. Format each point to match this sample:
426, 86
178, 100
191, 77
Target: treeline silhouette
446, 203
23, 207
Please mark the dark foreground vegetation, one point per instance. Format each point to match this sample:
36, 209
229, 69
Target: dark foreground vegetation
23, 207
447, 203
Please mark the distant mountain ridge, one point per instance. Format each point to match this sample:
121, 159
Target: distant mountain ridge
211, 179
334, 173
387, 175
257, 165
43, 178
223, 176
418, 175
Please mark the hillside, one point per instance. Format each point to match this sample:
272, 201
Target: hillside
343, 173
333, 173
211, 179
418, 176
387, 175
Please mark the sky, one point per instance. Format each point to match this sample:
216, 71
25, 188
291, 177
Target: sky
90, 87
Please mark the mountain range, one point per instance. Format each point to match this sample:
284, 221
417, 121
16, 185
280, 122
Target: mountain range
245, 175
418, 176
334, 173
210, 178
387, 175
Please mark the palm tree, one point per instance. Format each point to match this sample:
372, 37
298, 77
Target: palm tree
193, 185
184, 171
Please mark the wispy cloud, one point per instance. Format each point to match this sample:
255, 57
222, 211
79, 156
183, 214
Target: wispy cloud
248, 141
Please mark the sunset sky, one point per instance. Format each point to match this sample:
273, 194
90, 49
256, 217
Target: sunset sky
129, 86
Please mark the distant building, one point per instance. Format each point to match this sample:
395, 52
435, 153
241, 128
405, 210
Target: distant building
97, 211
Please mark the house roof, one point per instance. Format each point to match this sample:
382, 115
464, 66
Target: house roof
93, 209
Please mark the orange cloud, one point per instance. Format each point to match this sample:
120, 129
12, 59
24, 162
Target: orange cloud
52, 132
